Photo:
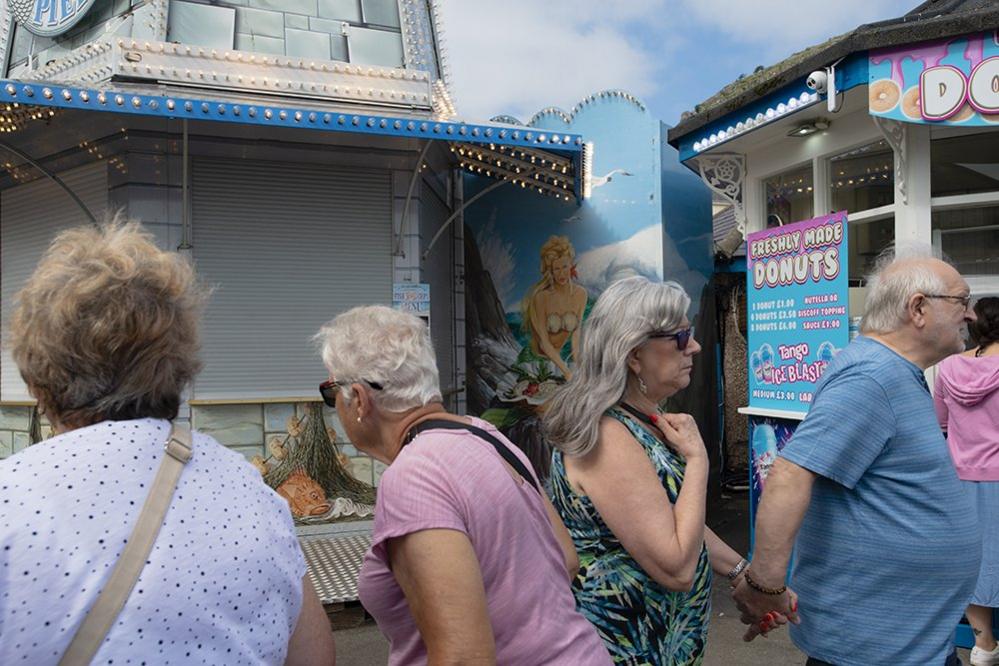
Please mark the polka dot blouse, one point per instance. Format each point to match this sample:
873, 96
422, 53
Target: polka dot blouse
222, 585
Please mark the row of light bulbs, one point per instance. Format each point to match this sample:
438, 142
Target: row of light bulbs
545, 167
14, 116
222, 109
559, 166
518, 177
487, 165
761, 118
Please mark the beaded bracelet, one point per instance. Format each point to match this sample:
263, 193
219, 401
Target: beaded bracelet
772, 591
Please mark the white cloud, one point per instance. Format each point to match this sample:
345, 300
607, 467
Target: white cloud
519, 56
781, 27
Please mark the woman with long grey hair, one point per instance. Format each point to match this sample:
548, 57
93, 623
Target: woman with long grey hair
629, 480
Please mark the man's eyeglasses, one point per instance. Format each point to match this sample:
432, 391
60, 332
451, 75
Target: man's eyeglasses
965, 301
330, 388
682, 336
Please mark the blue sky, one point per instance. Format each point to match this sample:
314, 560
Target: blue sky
518, 56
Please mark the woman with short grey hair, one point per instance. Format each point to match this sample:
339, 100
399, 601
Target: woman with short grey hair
105, 334
468, 562
629, 480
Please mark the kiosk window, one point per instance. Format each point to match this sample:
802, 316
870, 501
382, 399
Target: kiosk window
967, 237
964, 164
867, 240
789, 196
863, 178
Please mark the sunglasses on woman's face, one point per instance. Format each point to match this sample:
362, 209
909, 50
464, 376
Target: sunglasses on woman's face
682, 336
330, 388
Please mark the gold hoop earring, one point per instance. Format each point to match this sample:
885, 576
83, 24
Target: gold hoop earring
642, 386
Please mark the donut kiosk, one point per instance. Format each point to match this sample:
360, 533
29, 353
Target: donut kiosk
896, 123
798, 309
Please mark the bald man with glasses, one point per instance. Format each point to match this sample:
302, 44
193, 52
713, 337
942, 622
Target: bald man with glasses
885, 539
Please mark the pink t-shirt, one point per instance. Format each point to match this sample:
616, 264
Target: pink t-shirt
450, 479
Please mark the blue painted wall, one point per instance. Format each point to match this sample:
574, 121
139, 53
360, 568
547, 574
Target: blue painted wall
647, 215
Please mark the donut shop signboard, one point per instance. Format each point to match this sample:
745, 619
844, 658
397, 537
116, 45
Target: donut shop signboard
953, 81
797, 299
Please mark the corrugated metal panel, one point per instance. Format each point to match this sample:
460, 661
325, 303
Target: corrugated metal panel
30, 216
287, 247
723, 223
438, 271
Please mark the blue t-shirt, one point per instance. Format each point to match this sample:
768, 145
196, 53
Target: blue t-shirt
888, 553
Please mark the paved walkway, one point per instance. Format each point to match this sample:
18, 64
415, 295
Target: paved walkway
362, 644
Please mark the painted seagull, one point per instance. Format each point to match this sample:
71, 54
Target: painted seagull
603, 180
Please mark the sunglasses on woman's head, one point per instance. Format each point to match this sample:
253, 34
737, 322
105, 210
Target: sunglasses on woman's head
330, 388
682, 336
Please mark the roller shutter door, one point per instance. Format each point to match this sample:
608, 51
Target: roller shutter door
286, 247
30, 217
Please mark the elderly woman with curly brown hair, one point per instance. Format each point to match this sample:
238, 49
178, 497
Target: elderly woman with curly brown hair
105, 335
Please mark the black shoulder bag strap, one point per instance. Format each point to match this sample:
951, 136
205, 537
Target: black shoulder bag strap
505, 453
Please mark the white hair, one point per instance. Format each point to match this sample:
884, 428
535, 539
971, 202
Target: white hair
377, 344
899, 272
620, 321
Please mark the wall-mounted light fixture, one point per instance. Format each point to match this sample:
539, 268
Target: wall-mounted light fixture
810, 127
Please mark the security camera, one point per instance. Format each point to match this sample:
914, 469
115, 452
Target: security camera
818, 81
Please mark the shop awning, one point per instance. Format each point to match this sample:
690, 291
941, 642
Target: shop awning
548, 162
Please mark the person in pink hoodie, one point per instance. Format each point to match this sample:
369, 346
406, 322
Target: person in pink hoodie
967, 404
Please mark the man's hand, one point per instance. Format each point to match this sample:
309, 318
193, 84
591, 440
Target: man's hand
764, 612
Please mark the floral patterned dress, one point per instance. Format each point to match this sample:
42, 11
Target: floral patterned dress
640, 621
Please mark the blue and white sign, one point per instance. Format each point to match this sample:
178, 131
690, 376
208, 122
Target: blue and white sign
798, 309
48, 18
410, 297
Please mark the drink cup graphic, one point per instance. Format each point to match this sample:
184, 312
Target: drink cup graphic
764, 451
756, 363
826, 352
767, 362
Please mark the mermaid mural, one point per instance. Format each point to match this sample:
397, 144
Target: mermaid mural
547, 330
553, 308
551, 313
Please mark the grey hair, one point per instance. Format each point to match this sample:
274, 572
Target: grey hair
377, 344
899, 272
620, 321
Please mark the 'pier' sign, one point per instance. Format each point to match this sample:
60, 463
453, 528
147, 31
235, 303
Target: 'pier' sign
48, 18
